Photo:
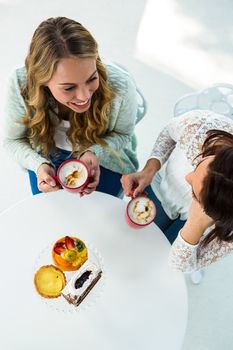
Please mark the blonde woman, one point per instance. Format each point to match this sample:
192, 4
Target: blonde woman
66, 103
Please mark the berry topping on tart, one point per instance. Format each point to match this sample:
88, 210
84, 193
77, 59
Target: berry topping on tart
69, 253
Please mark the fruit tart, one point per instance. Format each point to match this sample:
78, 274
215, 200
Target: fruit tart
49, 281
69, 253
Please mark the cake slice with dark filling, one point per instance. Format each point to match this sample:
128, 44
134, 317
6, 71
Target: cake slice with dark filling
81, 283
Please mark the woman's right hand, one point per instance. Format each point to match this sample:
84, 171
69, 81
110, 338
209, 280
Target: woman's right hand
135, 183
45, 180
92, 162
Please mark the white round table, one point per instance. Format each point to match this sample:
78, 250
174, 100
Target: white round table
142, 304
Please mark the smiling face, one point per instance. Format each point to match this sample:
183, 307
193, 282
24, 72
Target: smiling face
196, 177
74, 82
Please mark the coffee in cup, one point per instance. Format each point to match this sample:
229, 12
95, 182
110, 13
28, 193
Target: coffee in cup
140, 211
73, 175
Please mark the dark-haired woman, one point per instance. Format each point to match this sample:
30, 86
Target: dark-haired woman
193, 188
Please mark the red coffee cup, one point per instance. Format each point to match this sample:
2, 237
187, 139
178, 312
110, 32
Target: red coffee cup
140, 211
73, 175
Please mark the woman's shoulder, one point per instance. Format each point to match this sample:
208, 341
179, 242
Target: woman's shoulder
220, 118
120, 79
202, 119
18, 76
214, 120
14, 98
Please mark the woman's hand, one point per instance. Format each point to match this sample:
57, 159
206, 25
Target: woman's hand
198, 221
198, 216
92, 162
135, 183
45, 180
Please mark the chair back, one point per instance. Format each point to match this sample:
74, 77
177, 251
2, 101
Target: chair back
217, 98
142, 103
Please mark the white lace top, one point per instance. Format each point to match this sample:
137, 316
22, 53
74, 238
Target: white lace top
177, 147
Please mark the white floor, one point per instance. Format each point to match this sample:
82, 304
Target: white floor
172, 47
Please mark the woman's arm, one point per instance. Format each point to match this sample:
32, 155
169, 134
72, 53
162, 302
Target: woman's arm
183, 254
122, 121
188, 258
197, 223
164, 145
187, 253
135, 183
15, 140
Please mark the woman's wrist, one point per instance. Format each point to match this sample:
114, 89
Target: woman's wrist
192, 232
151, 168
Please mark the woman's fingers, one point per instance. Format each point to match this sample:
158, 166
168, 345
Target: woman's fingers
44, 187
45, 180
133, 184
47, 184
129, 184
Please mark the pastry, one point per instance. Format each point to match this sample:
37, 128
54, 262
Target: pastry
81, 283
49, 281
69, 253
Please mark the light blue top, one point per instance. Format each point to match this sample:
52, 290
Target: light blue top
119, 136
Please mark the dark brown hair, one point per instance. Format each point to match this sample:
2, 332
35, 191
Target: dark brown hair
217, 190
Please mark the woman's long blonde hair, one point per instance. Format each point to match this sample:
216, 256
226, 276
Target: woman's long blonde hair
54, 39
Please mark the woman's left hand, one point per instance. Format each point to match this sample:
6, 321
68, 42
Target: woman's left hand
197, 222
92, 162
198, 216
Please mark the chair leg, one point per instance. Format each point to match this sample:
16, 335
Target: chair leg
197, 276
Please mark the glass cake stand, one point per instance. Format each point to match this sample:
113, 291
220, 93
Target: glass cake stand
61, 304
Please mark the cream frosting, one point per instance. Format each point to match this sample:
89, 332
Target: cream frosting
81, 283
73, 174
141, 210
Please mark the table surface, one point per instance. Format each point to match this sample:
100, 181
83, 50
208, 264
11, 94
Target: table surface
140, 304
